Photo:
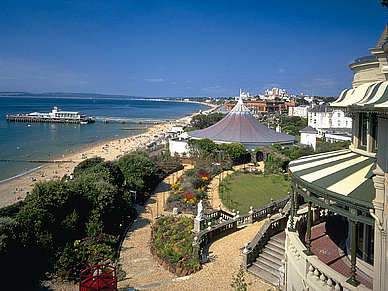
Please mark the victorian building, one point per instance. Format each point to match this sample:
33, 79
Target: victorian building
348, 187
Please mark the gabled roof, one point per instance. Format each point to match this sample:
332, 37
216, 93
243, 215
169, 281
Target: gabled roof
308, 128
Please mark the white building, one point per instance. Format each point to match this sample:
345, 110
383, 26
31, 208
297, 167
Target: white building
308, 136
300, 111
276, 92
325, 119
179, 145
351, 185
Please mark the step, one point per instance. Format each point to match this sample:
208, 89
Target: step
129, 269
266, 264
279, 237
264, 275
274, 249
275, 254
270, 258
147, 277
276, 242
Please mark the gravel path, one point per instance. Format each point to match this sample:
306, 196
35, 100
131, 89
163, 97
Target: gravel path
143, 272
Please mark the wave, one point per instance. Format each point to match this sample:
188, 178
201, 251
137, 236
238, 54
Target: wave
22, 174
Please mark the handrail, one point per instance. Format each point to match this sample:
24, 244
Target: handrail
314, 274
213, 233
270, 227
253, 215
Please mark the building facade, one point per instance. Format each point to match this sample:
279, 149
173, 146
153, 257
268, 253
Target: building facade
301, 111
262, 106
327, 119
351, 184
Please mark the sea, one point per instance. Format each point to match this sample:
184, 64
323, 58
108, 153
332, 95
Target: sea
22, 142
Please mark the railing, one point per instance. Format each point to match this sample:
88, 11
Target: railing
253, 215
217, 214
270, 227
308, 271
232, 222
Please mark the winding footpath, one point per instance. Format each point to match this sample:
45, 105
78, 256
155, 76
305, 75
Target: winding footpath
144, 273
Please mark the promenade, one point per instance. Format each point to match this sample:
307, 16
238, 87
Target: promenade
144, 273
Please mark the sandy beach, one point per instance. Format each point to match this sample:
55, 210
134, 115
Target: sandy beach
16, 189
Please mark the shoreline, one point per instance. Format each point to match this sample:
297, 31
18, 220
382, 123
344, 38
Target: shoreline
15, 189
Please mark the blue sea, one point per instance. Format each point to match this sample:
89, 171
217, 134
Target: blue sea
21, 142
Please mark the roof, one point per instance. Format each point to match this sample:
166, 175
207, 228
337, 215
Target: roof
341, 174
240, 107
383, 37
368, 95
69, 112
240, 126
320, 108
308, 128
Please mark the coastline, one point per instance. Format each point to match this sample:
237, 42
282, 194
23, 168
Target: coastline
16, 188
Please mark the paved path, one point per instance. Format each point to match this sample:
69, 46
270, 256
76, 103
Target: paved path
143, 272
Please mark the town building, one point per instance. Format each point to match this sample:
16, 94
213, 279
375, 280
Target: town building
263, 106
308, 136
347, 187
276, 92
300, 111
329, 120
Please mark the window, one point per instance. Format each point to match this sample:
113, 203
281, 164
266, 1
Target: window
367, 131
373, 132
362, 131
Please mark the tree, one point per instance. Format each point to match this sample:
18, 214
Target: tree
7, 232
203, 147
201, 121
139, 171
108, 171
86, 164
234, 150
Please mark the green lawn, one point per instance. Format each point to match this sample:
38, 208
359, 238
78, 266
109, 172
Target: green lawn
239, 191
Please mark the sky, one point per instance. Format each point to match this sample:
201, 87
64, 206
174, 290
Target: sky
185, 48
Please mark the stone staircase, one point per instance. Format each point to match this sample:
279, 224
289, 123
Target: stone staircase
266, 266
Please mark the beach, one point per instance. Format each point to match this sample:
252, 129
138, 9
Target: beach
16, 189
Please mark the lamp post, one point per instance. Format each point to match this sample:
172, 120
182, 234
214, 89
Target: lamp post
133, 194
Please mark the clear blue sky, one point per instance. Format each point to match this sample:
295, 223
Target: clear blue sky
184, 48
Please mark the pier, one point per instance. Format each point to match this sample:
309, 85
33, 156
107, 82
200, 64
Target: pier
26, 118
133, 120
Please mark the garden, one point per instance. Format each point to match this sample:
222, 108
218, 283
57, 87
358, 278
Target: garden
241, 190
192, 187
171, 245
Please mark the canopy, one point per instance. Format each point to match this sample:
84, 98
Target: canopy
369, 95
343, 174
240, 126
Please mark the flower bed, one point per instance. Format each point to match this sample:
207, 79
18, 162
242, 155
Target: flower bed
188, 190
172, 245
